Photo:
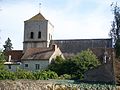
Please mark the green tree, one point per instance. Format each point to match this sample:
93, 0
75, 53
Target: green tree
2, 59
76, 66
8, 45
56, 65
115, 31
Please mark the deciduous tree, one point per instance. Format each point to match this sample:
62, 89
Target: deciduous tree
76, 66
115, 30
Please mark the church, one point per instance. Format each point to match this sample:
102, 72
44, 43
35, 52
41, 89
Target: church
39, 48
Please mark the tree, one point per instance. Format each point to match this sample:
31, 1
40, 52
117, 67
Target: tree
84, 61
76, 66
115, 31
2, 59
8, 45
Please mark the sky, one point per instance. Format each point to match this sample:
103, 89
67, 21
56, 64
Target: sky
72, 19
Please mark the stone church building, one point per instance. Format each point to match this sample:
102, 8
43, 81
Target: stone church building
39, 48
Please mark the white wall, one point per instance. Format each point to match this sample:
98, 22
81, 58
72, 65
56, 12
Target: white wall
14, 67
31, 64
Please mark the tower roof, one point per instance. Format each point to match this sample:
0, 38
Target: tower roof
37, 17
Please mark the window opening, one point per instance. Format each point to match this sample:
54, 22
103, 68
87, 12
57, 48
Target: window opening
26, 65
31, 35
37, 66
39, 34
9, 66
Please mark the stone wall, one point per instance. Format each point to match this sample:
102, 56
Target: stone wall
50, 85
103, 73
25, 85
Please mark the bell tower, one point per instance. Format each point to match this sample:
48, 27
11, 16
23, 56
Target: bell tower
37, 32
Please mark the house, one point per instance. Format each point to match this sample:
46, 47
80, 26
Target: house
39, 58
13, 59
39, 48
33, 59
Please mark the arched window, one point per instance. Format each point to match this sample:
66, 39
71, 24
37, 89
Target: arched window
31, 35
39, 34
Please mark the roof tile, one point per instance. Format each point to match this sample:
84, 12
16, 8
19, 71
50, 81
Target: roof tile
38, 53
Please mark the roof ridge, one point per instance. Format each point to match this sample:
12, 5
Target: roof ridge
37, 17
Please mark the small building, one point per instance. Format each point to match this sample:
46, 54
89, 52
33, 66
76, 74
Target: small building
33, 59
13, 59
39, 58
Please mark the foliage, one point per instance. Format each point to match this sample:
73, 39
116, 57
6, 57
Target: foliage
2, 56
115, 31
85, 86
65, 76
2, 59
76, 66
56, 65
8, 45
5, 74
45, 75
24, 74
117, 48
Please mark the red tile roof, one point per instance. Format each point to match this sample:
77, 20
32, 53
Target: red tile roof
38, 54
15, 55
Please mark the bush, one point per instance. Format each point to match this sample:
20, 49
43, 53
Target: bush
76, 66
45, 75
65, 76
40, 75
4, 74
24, 74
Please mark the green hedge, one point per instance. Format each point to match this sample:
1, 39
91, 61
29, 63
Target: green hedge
24, 74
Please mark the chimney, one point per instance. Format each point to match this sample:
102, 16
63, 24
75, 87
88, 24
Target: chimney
9, 59
54, 47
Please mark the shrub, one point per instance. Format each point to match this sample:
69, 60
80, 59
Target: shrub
24, 74
45, 75
5, 74
75, 66
65, 76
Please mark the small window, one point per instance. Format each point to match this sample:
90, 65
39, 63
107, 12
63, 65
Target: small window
26, 65
9, 66
37, 66
31, 35
39, 34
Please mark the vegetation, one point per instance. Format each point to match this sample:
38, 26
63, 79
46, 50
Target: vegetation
73, 68
24, 74
85, 86
115, 31
76, 66
45, 75
2, 59
8, 45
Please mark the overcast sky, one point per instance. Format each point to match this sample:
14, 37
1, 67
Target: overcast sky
72, 19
